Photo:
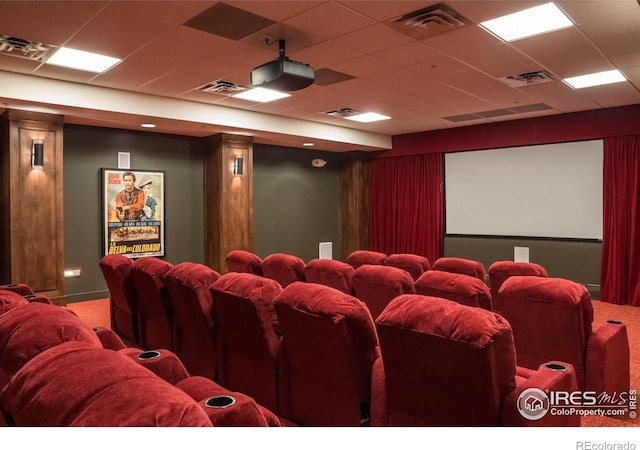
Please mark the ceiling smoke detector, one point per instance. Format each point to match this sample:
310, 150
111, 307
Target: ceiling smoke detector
23, 48
528, 78
429, 21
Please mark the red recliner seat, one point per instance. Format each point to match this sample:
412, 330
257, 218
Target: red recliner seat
500, 271
244, 262
195, 330
332, 273
552, 319
155, 312
123, 301
248, 330
416, 265
461, 265
77, 384
18, 288
464, 289
446, 364
283, 268
377, 285
10, 299
329, 345
224, 407
362, 257
29, 329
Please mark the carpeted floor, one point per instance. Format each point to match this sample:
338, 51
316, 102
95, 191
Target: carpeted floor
96, 313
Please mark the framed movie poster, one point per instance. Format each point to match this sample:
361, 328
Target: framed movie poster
133, 212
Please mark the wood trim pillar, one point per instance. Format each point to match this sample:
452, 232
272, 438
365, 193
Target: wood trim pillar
32, 226
354, 202
228, 198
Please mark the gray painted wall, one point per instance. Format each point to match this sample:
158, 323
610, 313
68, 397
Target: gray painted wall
86, 151
296, 205
577, 260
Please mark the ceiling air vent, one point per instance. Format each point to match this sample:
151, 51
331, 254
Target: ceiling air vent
222, 87
528, 79
343, 112
23, 48
429, 21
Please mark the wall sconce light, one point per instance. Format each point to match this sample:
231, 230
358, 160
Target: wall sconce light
37, 154
238, 165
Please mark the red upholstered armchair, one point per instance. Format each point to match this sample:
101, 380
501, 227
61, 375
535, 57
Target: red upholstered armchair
18, 288
123, 302
244, 262
195, 330
464, 289
446, 364
377, 285
361, 257
552, 319
329, 345
283, 268
155, 313
77, 384
416, 265
500, 271
248, 330
332, 273
461, 265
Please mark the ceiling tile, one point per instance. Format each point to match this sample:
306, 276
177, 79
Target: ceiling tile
362, 66
374, 39
343, 21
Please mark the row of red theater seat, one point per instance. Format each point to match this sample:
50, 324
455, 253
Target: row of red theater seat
55, 370
295, 351
551, 317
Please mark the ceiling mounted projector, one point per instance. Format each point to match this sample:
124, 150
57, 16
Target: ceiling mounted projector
283, 74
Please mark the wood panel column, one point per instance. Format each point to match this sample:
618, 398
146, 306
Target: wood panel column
31, 228
354, 202
228, 198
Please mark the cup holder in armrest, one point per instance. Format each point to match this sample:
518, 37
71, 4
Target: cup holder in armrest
96, 329
219, 401
149, 354
614, 322
555, 366
29, 297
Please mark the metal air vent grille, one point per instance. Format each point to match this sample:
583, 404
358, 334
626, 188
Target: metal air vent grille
429, 21
222, 87
23, 48
528, 78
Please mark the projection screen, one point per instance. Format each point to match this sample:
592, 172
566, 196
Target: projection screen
550, 191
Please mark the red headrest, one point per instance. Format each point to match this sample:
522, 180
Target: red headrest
35, 327
9, 300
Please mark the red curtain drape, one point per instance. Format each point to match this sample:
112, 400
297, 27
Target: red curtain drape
406, 205
620, 277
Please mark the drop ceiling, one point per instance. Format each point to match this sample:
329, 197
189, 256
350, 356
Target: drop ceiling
452, 75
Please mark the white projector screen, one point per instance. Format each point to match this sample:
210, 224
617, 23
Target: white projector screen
552, 191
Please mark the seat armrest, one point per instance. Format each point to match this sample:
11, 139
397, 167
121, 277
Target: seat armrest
226, 408
163, 363
110, 340
607, 365
551, 376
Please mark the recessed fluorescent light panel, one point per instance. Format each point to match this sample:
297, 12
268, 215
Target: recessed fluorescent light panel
529, 22
81, 60
261, 95
368, 117
595, 79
